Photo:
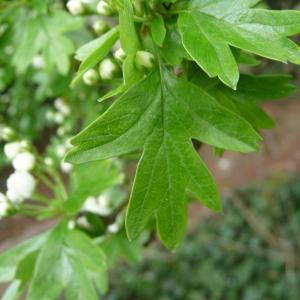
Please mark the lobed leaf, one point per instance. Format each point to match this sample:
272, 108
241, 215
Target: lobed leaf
163, 121
208, 36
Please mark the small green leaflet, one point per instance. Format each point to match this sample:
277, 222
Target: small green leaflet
10, 259
129, 41
70, 263
209, 28
158, 30
128, 36
162, 122
90, 54
46, 35
251, 90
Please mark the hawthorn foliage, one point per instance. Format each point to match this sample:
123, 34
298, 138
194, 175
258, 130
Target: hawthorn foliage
181, 82
195, 91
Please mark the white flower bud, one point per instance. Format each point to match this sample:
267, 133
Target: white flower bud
60, 150
24, 161
104, 205
98, 206
108, 69
82, 222
100, 26
7, 133
58, 118
12, 149
75, 7
4, 205
71, 224
25, 145
104, 9
38, 62
58, 102
48, 161
20, 186
50, 115
62, 107
60, 131
66, 167
90, 77
120, 55
91, 204
113, 228
144, 60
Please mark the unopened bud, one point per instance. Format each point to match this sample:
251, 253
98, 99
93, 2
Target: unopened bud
75, 7
104, 9
90, 77
120, 55
100, 27
7, 134
144, 60
108, 69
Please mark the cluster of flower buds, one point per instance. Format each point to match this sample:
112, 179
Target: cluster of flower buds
102, 206
21, 183
80, 7
108, 69
98, 205
62, 110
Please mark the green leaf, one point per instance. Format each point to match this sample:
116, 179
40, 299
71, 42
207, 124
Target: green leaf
10, 259
90, 179
158, 30
246, 108
93, 52
208, 33
46, 34
26, 267
221, 8
13, 292
251, 90
29, 45
117, 245
265, 87
68, 261
163, 121
128, 35
173, 51
119, 90
131, 74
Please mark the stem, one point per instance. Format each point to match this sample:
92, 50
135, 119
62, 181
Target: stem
58, 187
141, 19
40, 198
59, 183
